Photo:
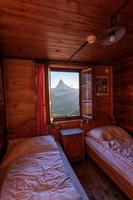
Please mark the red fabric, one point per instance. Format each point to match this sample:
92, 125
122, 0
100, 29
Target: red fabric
41, 99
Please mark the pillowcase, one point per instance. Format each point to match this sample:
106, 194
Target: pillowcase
24, 146
96, 134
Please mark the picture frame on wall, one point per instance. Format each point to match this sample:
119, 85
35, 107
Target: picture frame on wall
102, 85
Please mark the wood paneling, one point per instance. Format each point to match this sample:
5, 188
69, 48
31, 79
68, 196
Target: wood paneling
54, 30
2, 116
123, 94
21, 98
20, 92
104, 102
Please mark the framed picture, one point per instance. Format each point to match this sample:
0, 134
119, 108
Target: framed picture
102, 85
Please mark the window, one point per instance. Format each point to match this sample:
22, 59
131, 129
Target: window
87, 93
70, 93
65, 101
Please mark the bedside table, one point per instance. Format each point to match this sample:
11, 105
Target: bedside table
72, 141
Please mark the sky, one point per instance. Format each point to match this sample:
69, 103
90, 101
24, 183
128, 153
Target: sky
69, 78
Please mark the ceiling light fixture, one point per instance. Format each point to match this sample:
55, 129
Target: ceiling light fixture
110, 36
91, 39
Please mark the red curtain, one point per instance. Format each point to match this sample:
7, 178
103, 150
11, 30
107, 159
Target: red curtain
41, 99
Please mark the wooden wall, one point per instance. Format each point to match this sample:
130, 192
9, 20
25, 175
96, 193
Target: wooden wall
2, 116
123, 94
103, 108
19, 77
104, 104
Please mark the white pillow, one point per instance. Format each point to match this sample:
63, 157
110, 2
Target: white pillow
96, 134
24, 146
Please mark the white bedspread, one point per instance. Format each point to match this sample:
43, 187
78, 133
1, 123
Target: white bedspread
121, 167
40, 176
34, 170
122, 149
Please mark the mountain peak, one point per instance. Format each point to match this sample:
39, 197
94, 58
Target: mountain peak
62, 85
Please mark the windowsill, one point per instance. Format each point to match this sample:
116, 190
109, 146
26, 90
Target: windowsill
65, 119
60, 119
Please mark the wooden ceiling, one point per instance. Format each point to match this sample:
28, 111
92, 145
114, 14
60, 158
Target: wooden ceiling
54, 29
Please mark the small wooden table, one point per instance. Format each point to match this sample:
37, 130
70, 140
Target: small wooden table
72, 141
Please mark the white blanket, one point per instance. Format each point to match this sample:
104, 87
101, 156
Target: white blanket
123, 149
40, 176
34, 170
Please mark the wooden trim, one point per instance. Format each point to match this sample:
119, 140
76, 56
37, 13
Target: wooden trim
66, 62
47, 92
92, 83
43, 61
66, 69
80, 93
58, 119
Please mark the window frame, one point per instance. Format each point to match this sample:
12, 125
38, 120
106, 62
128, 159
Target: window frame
92, 116
65, 118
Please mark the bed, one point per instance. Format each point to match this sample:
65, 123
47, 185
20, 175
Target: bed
36, 168
111, 148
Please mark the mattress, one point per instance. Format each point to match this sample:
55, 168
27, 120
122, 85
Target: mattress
118, 165
37, 172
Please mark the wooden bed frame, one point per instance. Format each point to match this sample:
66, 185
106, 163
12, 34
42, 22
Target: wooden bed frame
110, 171
28, 129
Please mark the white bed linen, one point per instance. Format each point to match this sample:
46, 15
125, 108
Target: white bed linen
23, 146
38, 176
122, 149
121, 167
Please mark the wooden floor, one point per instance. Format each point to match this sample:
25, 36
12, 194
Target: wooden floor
96, 183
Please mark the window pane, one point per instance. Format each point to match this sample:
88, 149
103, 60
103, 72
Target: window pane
87, 93
64, 94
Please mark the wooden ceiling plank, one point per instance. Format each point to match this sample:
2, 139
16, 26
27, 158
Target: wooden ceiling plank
25, 25
59, 5
43, 29
53, 20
